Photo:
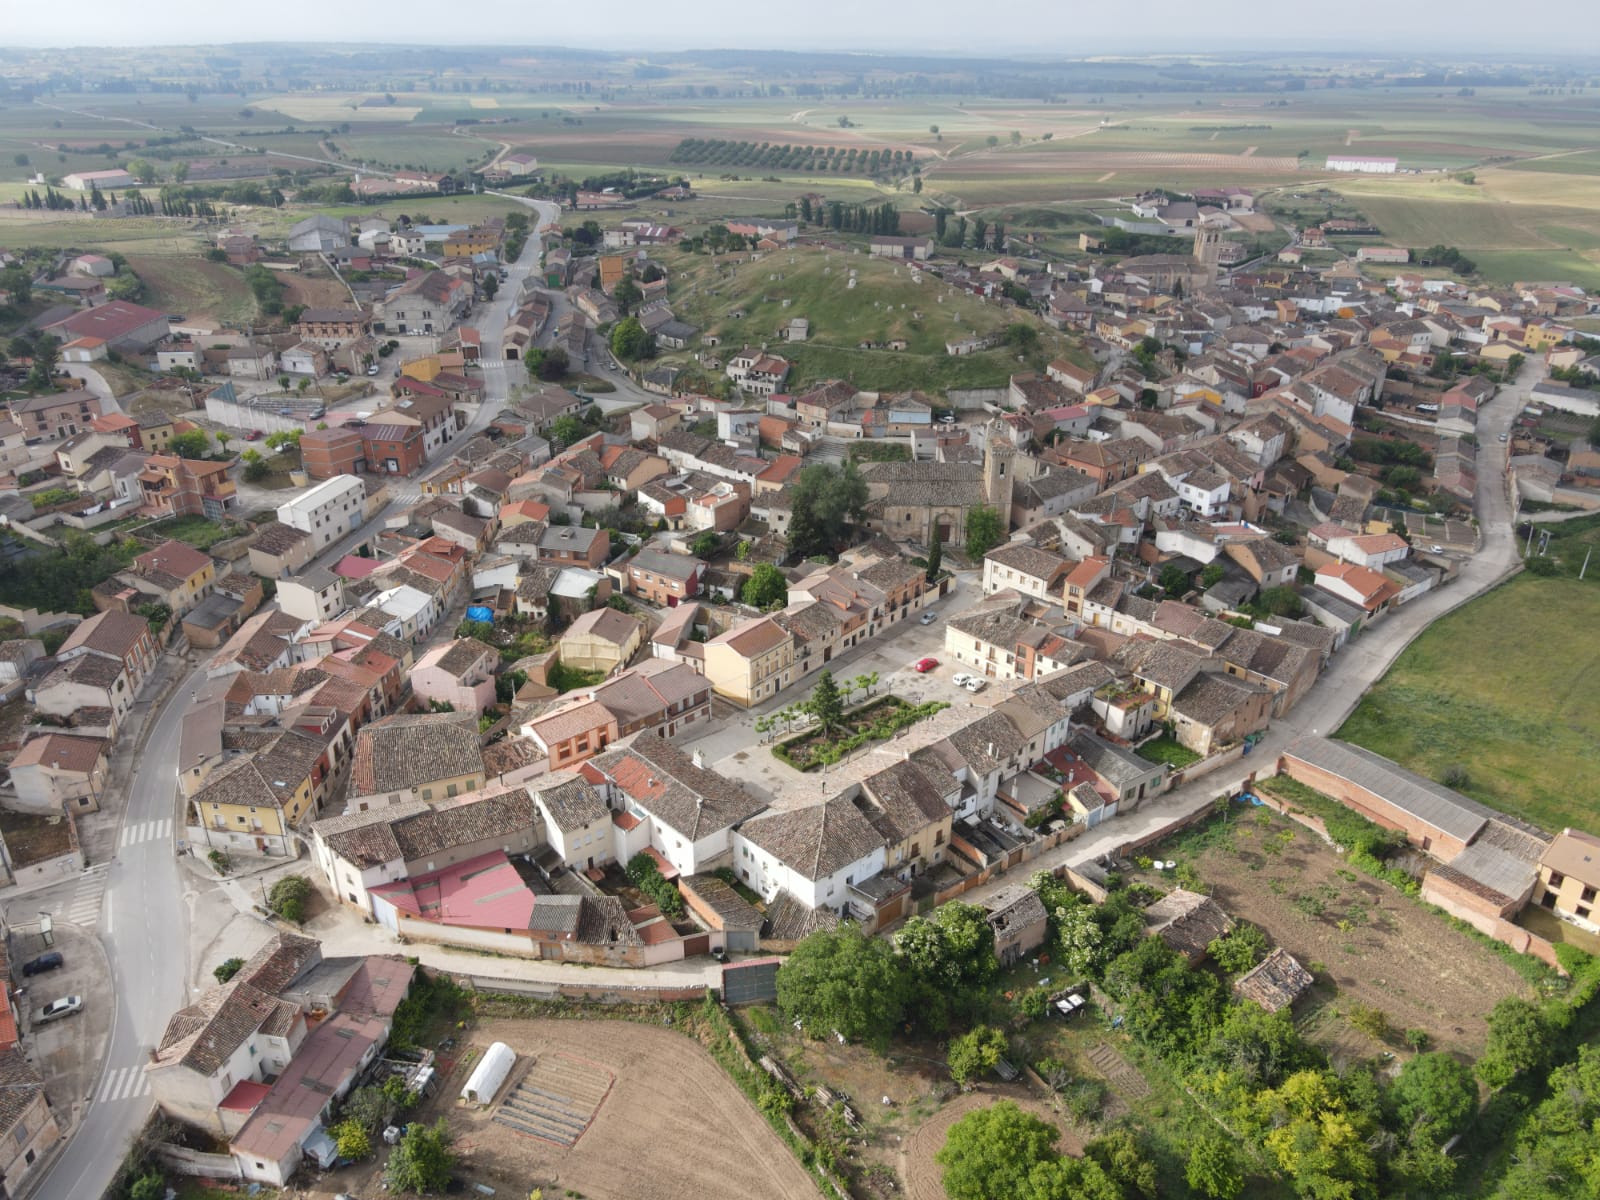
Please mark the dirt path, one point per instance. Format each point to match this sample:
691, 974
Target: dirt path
922, 1175
1107, 177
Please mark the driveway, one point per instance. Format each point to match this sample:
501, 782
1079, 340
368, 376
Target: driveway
94, 382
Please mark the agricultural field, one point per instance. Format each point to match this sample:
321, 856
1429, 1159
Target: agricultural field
189, 284
647, 1095
1366, 942
1520, 715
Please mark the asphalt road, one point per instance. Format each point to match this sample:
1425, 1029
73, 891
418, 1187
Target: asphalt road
142, 922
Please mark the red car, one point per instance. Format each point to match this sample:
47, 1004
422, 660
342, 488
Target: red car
255, 435
925, 665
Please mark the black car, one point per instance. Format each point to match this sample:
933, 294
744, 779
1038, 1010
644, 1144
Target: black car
45, 962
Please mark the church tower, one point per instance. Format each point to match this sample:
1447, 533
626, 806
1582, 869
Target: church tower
1207, 249
999, 469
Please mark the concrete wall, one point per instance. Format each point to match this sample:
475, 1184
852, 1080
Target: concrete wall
192, 1162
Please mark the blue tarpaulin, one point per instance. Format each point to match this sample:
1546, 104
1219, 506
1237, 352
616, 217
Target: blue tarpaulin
478, 612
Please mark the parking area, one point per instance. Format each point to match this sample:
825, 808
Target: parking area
68, 1052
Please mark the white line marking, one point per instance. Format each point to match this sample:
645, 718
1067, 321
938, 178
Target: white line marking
112, 1080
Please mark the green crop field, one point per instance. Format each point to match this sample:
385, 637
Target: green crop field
1519, 714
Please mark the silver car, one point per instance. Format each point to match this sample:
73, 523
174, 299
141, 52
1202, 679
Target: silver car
57, 1009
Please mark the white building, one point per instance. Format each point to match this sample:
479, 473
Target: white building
1362, 163
328, 511
814, 853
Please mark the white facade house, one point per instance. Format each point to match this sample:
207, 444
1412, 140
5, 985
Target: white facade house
328, 511
414, 610
815, 853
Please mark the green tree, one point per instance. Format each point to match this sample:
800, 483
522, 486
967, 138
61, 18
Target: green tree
1024, 339
257, 469
1173, 580
45, 351
1239, 950
566, 429
825, 500
1212, 575
1436, 1092
627, 295
1124, 1162
423, 1161
992, 1152
974, 1054
227, 969
1518, 1042
766, 588
630, 341
152, 1185
951, 962
935, 553
986, 529
287, 898
841, 980
355, 1143
826, 704
1213, 1169
192, 444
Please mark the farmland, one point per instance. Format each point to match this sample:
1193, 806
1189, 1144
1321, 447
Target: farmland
188, 284
1519, 715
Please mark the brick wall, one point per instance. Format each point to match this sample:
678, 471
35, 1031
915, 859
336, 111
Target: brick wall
1374, 807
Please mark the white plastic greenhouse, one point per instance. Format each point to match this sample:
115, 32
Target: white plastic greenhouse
489, 1074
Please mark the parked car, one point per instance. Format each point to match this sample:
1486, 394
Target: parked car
1436, 548
928, 618
924, 665
45, 962
1502, 437
960, 678
976, 684
57, 1009
372, 370
255, 435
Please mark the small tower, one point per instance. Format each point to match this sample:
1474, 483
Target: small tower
1207, 249
999, 469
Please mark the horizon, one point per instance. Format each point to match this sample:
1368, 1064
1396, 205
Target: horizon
1166, 28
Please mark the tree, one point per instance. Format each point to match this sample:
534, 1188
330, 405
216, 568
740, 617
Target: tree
1435, 1092
256, 469
825, 500
287, 898
152, 1185
1001, 1151
826, 704
227, 969
1022, 338
1121, 1158
1240, 950
951, 961
985, 530
1213, 1169
192, 444
630, 340
935, 553
354, 1141
566, 429
1173, 580
489, 286
1212, 575
423, 1160
1518, 1042
45, 353
766, 588
224, 437
974, 1054
627, 295
554, 364
843, 981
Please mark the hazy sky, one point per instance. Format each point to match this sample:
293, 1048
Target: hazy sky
1067, 27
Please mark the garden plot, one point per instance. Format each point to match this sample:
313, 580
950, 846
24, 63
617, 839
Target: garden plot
557, 1099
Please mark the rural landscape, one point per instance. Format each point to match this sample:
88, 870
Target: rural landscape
594, 622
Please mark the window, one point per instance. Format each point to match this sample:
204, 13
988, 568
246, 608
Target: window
1588, 895
1557, 879
1583, 912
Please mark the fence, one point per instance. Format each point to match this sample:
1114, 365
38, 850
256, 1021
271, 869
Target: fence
32, 620
193, 1162
599, 993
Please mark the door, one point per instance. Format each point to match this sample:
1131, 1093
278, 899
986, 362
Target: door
700, 944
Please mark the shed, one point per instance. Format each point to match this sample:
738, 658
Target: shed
1275, 982
489, 1075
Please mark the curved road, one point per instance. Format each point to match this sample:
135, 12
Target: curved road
145, 914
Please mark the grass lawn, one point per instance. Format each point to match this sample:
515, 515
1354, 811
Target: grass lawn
1501, 688
197, 531
1165, 750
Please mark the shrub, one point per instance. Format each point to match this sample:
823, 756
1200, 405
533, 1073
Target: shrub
1370, 1020
645, 875
288, 897
219, 861
226, 970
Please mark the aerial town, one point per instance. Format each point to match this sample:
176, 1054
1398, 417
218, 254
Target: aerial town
1040, 668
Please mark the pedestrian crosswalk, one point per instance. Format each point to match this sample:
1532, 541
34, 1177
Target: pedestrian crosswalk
135, 832
84, 906
123, 1083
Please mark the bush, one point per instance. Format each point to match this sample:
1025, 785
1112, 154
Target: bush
288, 897
219, 862
646, 876
227, 970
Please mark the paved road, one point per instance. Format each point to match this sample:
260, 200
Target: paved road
1354, 669
142, 918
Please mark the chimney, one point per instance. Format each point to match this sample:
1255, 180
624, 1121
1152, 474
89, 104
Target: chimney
698, 758
991, 750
